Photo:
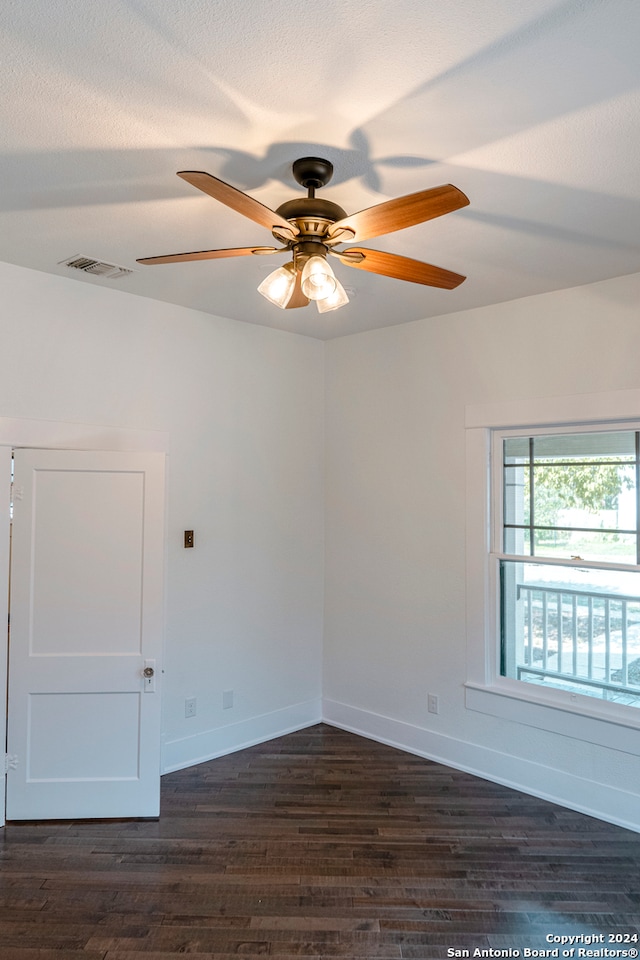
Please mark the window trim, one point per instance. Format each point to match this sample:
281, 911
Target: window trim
571, 714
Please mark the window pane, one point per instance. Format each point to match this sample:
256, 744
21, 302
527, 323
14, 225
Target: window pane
591, 510
574, 629
583, 488
517, 540
516, 495
571, 544
516, 450
619, 445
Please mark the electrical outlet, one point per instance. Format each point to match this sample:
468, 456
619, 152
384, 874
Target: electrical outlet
190, 707
432, 703
227, 699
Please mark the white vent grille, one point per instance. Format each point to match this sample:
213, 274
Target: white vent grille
97, 267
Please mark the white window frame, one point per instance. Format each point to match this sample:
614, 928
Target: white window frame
560, 711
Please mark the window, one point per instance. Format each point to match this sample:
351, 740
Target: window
567, 549
553, 579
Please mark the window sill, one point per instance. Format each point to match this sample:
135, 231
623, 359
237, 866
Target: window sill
570, 715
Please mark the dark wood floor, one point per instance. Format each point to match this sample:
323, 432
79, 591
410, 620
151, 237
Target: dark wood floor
319, 844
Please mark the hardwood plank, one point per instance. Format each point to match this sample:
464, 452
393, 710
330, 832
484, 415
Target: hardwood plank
318, 844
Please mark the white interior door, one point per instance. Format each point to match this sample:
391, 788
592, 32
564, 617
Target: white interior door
86, 620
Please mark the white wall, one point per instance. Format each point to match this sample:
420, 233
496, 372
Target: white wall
243, 410
395, 526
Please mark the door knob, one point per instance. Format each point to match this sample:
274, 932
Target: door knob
148, 672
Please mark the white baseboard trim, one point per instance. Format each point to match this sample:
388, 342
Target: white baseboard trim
209, 744
610, 804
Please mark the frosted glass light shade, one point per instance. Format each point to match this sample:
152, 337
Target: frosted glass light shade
318, 280
278, 286
336, 299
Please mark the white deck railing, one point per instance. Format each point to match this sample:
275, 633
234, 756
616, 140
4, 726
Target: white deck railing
586, 638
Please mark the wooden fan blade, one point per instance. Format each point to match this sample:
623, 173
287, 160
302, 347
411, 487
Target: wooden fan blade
402, 268
297, 298
401, 213
238, 201
208, 255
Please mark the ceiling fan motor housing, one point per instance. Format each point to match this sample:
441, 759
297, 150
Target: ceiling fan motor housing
312, 215
311, 208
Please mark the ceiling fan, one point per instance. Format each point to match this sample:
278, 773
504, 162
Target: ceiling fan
311, 228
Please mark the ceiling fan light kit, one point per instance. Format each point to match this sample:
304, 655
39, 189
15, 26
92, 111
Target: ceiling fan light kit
279, 285
318, 280
337, 299
311, 228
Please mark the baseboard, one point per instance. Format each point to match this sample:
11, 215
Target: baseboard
610, 804
209, 744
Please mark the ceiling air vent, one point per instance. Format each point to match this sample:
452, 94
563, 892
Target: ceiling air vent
97, 267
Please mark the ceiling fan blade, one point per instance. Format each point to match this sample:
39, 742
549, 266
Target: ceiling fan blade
238, 201
401, 268
208, 255
400, 213
297, 298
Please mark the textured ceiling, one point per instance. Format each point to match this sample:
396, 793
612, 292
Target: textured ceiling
531, 109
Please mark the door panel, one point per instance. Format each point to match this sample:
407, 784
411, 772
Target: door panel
77, 607
88, 742
86, 613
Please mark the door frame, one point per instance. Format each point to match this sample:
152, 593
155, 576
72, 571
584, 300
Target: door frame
53, 435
